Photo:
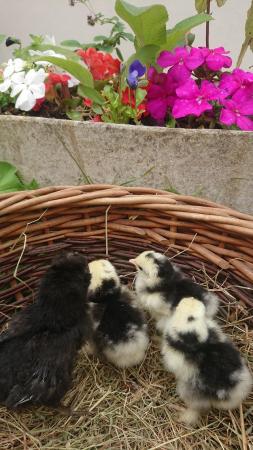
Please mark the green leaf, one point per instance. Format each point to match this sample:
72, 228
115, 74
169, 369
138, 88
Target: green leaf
200, 5
2, 38
248, 41
119, 54
74, 68
97, 109
100, 38
140, 94
148, 23
71, 43
86, 91
11, 180
220, 2
74, 115
177, 34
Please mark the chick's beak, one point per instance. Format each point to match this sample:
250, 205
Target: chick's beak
132, 261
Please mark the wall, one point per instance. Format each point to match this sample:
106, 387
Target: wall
21, 17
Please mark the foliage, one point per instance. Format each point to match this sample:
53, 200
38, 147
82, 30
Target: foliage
11, 179
201, 5
248, 41
149, 26
105, 43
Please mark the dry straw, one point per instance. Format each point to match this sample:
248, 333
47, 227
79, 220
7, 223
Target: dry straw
137, 408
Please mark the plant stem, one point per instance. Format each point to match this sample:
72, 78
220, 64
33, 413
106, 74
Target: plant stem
208, 5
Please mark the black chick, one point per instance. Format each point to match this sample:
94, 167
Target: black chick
38, 350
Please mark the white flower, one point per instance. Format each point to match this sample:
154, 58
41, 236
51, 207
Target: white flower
30, 87
45, 53
13, 66
13, 69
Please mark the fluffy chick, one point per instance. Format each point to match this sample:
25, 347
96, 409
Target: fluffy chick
120, 330
209, 370
160, 285
38, 349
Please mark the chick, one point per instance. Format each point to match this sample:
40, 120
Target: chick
208, 368
160, 285
38, 349
120, 330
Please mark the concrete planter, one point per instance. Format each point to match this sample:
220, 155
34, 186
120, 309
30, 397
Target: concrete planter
214, 164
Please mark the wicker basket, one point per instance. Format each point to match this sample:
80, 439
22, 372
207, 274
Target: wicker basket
211, 242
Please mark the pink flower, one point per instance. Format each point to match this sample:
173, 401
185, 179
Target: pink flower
160, 95
193, 99
216, 59
191, 60
235, 113
239, 83
182, 61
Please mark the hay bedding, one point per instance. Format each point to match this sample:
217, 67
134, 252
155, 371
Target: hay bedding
135, 408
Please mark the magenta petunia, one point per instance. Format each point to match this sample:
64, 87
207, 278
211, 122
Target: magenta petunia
181, 56
237, 114
193, 99
216, 59
161, 95
239, 83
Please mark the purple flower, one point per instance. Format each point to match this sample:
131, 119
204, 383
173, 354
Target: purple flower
193, 99
216, 59
161, 94
235, 113
239, 83
135, 71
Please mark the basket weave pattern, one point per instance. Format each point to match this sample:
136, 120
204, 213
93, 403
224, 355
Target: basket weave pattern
119, 222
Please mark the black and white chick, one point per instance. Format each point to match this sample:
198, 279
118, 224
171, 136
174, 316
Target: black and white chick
38, 349
160, 285
209, 370
120, 329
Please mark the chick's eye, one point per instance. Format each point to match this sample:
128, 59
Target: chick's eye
140, 268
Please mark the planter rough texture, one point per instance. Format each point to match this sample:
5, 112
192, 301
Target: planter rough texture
214, 164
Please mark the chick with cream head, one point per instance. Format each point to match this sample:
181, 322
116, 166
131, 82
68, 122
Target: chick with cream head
120, 329
209, 370
160, 285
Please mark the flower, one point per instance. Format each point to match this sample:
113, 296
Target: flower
57, 78
128, 97
38, 104
135, 71
236, 113
97, 118
12, 73
161, 96
30, 88
87, 102
239, 83
193, 99
216, 59
45, 53
102, 65
181, 58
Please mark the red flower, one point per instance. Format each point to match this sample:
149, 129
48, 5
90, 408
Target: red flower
38, 104
87, 102
102, 65
57, 78
97, 118
128, 98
